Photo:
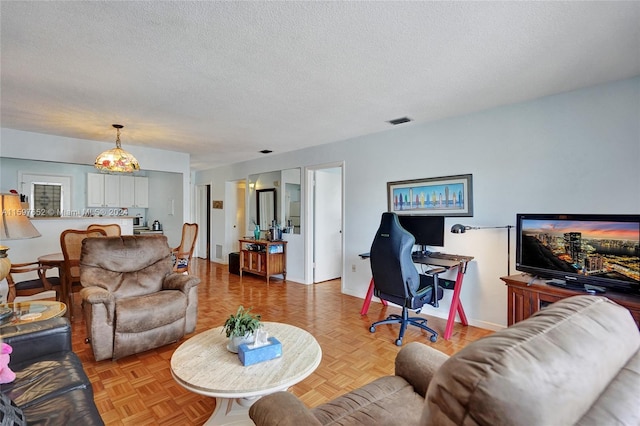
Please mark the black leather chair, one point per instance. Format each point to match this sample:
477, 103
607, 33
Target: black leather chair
396, 278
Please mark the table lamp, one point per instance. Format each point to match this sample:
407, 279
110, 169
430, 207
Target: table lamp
461, 229
14, 225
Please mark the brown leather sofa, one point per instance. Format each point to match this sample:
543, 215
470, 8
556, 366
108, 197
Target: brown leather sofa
574, 362
132, 299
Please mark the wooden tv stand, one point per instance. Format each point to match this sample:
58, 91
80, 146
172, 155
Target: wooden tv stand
524, 300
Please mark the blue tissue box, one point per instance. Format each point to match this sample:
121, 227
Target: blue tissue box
249, 356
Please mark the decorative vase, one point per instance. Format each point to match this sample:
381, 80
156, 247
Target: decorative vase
256, 232
235, 341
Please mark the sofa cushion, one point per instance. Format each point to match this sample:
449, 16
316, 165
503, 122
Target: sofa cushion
45, 378
387, 400
548, 369
619, 402
72, 408
137, 314
53, 389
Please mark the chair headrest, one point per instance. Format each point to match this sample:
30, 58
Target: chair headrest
127, 253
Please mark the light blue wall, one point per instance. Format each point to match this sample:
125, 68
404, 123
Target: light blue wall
165, 190
75, 154
575, 152
11, 167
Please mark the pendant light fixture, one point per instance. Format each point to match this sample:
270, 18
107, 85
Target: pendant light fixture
117, 159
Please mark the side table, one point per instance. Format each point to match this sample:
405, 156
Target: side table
37, 310
263, 257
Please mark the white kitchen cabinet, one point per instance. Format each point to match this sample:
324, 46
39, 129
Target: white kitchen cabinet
111, 191
127, 191
95, 190
103, 190
141, 191
117, 191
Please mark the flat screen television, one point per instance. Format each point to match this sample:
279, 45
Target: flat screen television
427, 230
597, 249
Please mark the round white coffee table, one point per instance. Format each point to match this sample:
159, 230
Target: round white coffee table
203, 365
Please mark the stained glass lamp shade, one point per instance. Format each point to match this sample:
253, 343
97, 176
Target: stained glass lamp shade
117, 159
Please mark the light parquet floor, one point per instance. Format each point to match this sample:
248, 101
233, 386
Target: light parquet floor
139, 389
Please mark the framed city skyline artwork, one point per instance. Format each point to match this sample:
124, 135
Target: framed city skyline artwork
439, 196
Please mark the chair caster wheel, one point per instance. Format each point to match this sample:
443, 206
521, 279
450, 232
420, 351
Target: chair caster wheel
372, 329
433, 338
398, 342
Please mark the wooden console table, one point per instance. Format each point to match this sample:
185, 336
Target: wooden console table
270, 257
525, 299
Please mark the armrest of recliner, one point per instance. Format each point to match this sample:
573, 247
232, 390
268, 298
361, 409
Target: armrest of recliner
180, 282
282, 409
417, 363
95, 295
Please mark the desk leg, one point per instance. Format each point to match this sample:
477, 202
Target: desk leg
367, 299
456, 306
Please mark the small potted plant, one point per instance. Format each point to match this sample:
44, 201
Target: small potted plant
240, 328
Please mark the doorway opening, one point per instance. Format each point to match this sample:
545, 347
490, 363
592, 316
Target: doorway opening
325, 212
203, 219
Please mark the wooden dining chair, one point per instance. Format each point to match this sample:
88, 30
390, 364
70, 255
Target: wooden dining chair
112, 229
71, 244
184, 252
31, 287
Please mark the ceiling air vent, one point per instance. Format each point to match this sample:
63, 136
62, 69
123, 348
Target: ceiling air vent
400, 120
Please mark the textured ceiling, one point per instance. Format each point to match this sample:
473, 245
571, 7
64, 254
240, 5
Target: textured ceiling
223, 80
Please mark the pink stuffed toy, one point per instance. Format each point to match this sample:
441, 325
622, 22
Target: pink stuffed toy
6, 375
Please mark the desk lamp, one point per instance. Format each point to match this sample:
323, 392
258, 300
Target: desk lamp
461, 229
14, 225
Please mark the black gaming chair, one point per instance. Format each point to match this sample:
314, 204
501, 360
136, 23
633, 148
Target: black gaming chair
396, 279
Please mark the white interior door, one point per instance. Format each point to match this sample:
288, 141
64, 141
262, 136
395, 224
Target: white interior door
240, 227
236, 196
327, 224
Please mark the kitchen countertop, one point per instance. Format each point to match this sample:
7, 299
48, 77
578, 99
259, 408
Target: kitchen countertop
138, 230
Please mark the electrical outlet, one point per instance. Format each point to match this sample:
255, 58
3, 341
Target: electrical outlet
353, 268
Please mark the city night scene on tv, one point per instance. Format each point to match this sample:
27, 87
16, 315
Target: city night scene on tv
593, 248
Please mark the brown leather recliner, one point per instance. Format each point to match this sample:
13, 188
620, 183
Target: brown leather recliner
132, 299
